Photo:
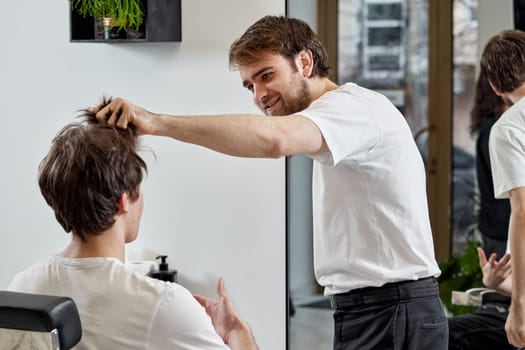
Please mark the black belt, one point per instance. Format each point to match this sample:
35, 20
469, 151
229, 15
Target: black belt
390, 292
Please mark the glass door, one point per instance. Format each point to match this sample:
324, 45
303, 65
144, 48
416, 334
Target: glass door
465, 197
381, 45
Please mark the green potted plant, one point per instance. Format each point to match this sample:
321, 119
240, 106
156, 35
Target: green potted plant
460, 272
115, 16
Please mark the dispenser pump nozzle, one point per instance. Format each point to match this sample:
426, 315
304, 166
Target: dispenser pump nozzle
163, 273
163, 265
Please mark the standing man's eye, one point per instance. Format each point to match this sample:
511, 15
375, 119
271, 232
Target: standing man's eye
266, 76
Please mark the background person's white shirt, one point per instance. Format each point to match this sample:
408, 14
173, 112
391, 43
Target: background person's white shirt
371, 223
507, 150
122, 309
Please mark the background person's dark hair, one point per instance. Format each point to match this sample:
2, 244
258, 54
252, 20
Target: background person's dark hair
503, 60
88, 167
487, 105
279, 35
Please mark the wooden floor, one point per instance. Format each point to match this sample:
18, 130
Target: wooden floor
311, 329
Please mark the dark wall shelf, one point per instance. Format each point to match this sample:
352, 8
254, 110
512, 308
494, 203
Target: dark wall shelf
162, 22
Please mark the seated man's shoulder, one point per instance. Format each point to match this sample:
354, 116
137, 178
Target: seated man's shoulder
138, 281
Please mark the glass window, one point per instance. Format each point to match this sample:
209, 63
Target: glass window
383, 62
465, 65
384, 11
384, 36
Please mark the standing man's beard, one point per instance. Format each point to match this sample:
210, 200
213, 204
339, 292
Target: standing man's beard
297, 101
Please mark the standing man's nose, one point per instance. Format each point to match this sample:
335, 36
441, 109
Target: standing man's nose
260, 94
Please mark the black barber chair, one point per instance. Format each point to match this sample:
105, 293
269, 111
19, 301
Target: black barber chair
34, 321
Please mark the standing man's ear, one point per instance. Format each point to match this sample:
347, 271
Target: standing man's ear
495, 89
305, 62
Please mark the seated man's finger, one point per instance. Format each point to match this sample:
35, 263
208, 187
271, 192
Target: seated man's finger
205, 302
221, 290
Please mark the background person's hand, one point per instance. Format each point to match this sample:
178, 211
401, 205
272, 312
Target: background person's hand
495, 272
120, 113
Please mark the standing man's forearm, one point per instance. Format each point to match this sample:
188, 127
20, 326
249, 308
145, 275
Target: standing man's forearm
517, 244
236, 135
515, 325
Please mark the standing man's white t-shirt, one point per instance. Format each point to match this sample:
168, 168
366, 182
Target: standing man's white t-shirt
371, 223
507, 150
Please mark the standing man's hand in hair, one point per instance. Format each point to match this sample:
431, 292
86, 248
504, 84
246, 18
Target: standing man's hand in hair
121, 113
235, 332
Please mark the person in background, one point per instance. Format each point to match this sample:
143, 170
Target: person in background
503, 63
373, 247
493, 214
484, 329
91, 178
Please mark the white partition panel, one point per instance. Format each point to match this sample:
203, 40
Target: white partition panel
213, 215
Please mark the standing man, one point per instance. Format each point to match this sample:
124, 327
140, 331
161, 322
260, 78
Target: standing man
503, 62
373, 250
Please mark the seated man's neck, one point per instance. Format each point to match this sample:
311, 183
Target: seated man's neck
515, 95
110, 244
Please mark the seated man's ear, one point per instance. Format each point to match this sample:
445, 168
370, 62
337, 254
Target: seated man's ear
123, 203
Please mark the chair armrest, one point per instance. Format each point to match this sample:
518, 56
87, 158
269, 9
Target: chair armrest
41, 313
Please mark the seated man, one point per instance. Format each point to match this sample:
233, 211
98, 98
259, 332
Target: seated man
485, 328
91, 179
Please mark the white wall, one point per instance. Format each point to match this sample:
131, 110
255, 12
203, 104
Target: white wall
213, 215
489, 24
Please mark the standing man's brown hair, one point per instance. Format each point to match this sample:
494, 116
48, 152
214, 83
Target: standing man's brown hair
283, 36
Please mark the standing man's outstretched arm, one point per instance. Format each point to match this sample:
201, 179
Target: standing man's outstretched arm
242, 135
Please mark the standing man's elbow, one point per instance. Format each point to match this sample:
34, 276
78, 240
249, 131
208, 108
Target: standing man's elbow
276, 148
517, 203
518, 217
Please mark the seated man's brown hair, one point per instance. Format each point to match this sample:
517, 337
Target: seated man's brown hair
87, 169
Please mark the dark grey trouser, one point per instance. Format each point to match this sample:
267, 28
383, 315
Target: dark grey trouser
480, 330
397, 316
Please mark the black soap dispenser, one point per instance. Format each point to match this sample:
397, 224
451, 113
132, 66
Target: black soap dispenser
163, 273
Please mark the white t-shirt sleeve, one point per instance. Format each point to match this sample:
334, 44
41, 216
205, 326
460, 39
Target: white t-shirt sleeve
507, 156
347, 124
15, 283
182, 323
